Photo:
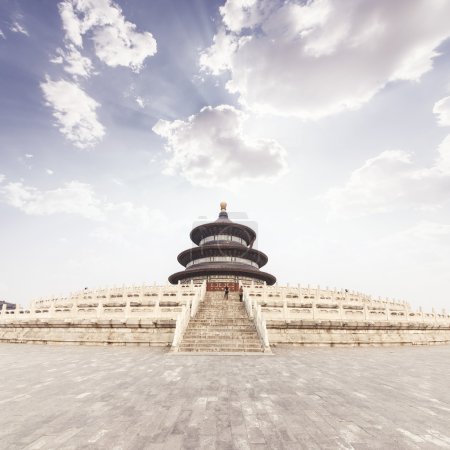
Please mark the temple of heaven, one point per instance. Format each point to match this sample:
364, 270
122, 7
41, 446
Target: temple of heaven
223, 254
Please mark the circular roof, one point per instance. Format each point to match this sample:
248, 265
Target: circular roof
203, 270
222, 249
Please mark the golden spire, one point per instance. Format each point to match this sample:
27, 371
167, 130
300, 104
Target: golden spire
223, 206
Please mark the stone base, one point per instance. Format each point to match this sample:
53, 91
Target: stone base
336, 333
144, 332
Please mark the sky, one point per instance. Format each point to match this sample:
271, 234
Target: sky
325, 122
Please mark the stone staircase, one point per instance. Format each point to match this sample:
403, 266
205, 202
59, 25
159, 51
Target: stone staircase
221, 326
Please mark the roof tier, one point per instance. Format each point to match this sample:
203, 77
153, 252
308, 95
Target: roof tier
228, 251
223, 226
235, 269
225, 249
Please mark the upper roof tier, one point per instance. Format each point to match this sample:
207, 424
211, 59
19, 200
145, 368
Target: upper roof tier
223, 226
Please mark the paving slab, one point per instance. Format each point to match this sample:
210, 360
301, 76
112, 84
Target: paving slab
71, 397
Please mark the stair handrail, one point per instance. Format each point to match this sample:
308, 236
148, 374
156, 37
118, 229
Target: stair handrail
199, 297
181, 325
254, 312
187, 311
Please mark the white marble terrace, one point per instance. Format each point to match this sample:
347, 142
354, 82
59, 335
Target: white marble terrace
125, 302
309, 303
269, 302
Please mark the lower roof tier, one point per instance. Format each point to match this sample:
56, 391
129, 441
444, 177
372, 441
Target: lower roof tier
235, 269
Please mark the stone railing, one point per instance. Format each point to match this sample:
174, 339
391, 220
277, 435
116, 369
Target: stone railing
189, 310
113, 303
306, 303
254, 312
198, 299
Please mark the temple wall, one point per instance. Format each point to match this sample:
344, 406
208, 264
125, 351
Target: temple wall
302, 316
145, 332
128, 315
157, 315
335, 333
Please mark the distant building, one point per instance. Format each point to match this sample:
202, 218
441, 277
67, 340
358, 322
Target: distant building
223, 255
8, 305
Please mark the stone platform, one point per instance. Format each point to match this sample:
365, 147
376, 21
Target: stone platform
69, 397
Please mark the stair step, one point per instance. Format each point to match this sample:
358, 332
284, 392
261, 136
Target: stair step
221, 326
221, 350
217, 332
206, 343
216, 346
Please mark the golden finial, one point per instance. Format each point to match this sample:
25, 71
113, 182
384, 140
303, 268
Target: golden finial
223, 206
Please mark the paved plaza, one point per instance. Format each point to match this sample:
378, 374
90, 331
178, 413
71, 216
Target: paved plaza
67, 397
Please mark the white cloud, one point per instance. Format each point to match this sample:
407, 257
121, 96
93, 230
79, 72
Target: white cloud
2, 35
391, 181
71, 24
211, 148
16, 27
116, 41
75, 112
72, 198
2, 178
49, 171
74, 62
442, 111
140, 101
316, 58
29, 155
424, 231
219, 56
114, 220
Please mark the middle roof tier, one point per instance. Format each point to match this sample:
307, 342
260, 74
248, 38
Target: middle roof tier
222, 249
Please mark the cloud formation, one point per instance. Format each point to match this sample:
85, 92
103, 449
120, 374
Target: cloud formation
391, 180
316, 58
211, 148
113, 220
74, 62
72, 198
116, 41
74, 111
442, 111
16, 27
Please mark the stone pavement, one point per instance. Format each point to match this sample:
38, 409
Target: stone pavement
67, 397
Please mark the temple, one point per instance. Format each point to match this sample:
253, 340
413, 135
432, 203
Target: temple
192, 314
223, 254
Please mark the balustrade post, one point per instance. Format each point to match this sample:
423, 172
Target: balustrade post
406, 312
74, 309
128, 308
51, 310
156, 308
285, 307
100, 309
33, 308
252, 307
